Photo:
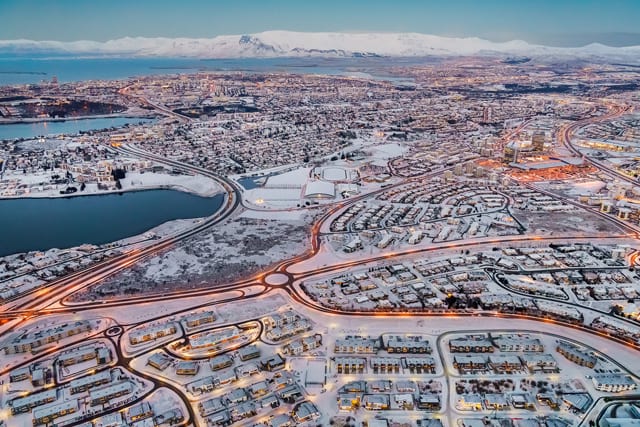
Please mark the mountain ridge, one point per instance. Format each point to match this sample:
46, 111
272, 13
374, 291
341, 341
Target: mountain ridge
273, 44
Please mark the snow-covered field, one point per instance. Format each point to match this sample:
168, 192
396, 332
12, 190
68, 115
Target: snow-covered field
586, 187
384, 152
296, 177
558, 222
196, 184
231, 251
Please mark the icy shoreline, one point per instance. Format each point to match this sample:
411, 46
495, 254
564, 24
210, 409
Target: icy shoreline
197, 185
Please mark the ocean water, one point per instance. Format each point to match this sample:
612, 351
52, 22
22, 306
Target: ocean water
21, 70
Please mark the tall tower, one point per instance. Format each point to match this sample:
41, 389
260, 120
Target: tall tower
511, 151
487, 114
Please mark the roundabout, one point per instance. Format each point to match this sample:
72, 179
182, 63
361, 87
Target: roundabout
114, 331
277, 279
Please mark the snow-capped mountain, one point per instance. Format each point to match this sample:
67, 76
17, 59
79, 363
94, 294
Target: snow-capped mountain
299, 44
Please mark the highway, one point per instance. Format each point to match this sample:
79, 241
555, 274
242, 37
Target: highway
145, 101
565, 134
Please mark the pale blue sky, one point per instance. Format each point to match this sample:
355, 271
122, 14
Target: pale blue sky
553, 22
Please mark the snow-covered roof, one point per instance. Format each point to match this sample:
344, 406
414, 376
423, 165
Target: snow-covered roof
319, 189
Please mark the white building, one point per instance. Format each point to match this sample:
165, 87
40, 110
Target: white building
613, 382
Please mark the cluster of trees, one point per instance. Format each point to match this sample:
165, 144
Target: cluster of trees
118, 174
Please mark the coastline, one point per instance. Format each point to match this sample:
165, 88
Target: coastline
197, 185
109, 192
126, 115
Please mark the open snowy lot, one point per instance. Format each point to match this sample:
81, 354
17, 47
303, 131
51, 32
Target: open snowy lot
232, 251
550, 222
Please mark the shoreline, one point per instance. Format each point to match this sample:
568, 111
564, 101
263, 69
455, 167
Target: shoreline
172, 187
197, 185
72, 119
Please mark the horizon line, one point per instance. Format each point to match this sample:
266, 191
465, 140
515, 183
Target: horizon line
533, 44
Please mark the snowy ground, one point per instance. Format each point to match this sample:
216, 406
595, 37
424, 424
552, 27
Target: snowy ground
234, 250
384, 152
586, 187
295, 177
563, 222
298, 216
196, 184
